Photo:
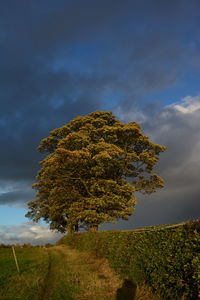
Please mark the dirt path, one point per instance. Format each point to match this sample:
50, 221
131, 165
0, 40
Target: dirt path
75, 275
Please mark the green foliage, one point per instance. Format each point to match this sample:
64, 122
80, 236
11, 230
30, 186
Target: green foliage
167, 259
84, 179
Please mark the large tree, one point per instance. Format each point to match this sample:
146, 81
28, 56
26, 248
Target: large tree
93, 167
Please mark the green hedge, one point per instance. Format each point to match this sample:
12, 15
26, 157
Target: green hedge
166, 259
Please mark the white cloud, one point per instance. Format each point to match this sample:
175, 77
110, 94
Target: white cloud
28, 233
188, 105
178, 127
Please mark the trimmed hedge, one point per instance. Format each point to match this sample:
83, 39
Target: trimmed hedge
166, 259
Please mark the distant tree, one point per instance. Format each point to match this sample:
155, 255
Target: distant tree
28, 245
93, 167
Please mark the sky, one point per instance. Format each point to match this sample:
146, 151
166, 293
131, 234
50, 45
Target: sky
61, 59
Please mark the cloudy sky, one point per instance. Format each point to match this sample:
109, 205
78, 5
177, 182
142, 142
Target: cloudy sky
60, 59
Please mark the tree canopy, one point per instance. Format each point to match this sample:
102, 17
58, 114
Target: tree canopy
92, 169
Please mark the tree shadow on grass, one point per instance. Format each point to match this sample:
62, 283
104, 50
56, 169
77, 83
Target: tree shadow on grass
127, 291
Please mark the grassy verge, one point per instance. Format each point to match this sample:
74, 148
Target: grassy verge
33, 264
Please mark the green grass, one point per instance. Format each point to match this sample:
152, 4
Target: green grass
33, 264
56, 273
75, 275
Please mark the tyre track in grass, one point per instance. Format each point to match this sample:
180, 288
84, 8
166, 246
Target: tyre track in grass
75, 275
44, 293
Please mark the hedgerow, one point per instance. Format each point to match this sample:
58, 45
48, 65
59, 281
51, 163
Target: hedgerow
166, 259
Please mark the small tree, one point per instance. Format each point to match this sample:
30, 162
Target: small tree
94, 164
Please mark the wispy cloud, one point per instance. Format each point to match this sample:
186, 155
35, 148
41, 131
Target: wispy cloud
28, 233
187, 106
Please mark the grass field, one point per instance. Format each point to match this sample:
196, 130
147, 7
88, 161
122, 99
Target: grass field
33, 264
59, 273
55, 273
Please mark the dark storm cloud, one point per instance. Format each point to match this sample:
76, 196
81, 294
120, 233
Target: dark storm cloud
62, 59
15, 192
16, 197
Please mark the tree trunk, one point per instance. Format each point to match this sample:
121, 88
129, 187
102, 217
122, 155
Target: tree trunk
93, 228
73, 228
70, 229
76, 228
